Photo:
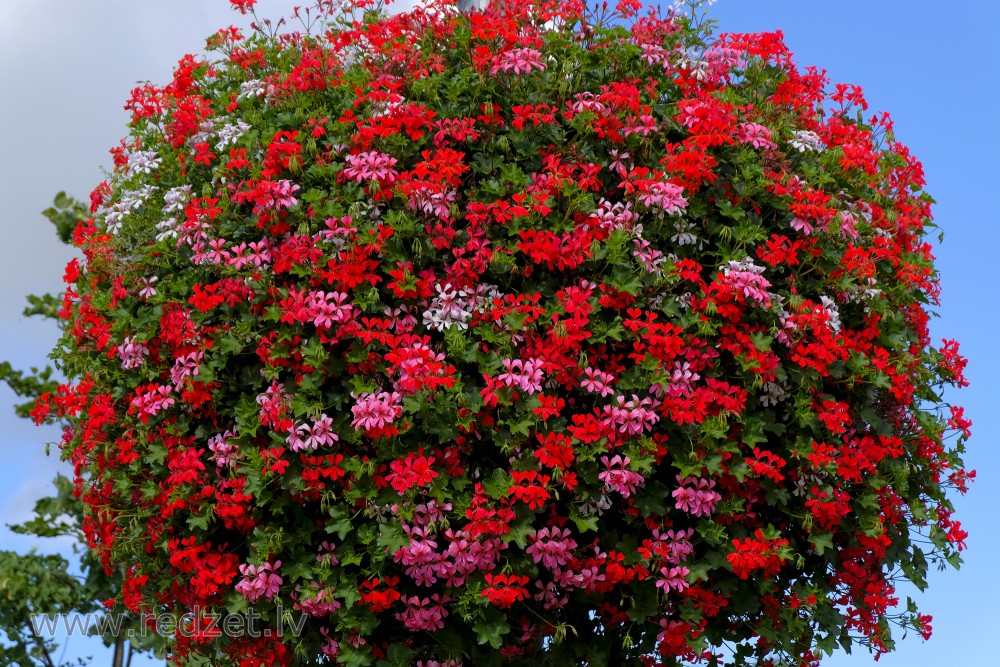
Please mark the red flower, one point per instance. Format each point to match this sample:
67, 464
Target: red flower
243, 6
504, 590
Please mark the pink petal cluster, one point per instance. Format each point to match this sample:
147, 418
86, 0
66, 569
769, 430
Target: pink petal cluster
131, 353
630, 417
519, 61
696, 496
663, 195
673, 578
425, 565
618, 477
312, 436
327, 308
746, 279
376, 410
756, 135
325, 553
150, 402
552, 547
649, 257
370, 165
185, 366
223, 453
259, 255
316, 600
549, 596
682, 379
276, 195
426, 614
259, 581
645, 125
586, 577
673, 546
526, 374
597, 382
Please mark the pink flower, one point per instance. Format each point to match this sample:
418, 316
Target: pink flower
644, 125
655, 54
321, 433
682, 379
419, 557
745, 278
331, 648
466, 555
631, 417
673, 547
261, 252
150, 400
520, 61
185, 366
148, 291
131, 353
596, 382
223, 452
426, 614
526, 375
325, 553
848, 224
756, 135
370, 165
316, 601
695, 496
259, 581
327, 308
548, 595
376, 410
803, 226
662, 195
673, 577
305, 437
617, 477
218, 254
621, 163
615, 216
552, 547
275, 195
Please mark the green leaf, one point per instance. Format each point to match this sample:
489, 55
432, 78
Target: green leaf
391, 538
821, 542
497, 484
491, 630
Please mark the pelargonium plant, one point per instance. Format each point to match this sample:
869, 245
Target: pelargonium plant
535, 335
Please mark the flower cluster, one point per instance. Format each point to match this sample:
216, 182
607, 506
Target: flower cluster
460, 331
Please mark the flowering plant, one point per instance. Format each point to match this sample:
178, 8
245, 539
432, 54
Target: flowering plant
461, 334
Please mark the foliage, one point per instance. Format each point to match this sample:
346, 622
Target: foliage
34, 585
26, 581
537, 335
68, 593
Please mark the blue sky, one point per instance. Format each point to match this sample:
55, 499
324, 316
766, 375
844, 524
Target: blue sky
66, 67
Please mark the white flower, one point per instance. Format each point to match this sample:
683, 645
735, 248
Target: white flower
230, 133
772, 394
830, 306
175, 199
142, 162
806, 140
252, 88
